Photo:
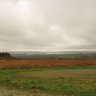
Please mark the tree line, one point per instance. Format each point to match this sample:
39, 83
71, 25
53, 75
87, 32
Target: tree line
5, 54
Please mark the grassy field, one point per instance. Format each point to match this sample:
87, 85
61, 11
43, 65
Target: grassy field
61, 81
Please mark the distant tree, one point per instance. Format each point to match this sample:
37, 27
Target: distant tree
5, 55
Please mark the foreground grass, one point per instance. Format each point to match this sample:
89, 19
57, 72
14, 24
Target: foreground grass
77, 85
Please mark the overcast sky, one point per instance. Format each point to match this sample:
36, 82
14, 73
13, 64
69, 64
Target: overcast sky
47, 25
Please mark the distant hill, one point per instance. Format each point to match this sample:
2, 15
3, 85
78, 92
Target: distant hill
53, 55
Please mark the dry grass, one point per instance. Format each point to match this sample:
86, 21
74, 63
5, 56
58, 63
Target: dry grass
81, 73
4, 91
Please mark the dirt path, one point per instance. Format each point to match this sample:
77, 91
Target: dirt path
15, 92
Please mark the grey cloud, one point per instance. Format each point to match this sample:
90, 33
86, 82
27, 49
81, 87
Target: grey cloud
51, 25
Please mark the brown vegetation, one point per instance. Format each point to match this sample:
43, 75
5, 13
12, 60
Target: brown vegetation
82, 73
16, 64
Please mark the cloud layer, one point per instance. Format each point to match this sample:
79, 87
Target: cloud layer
47, 25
